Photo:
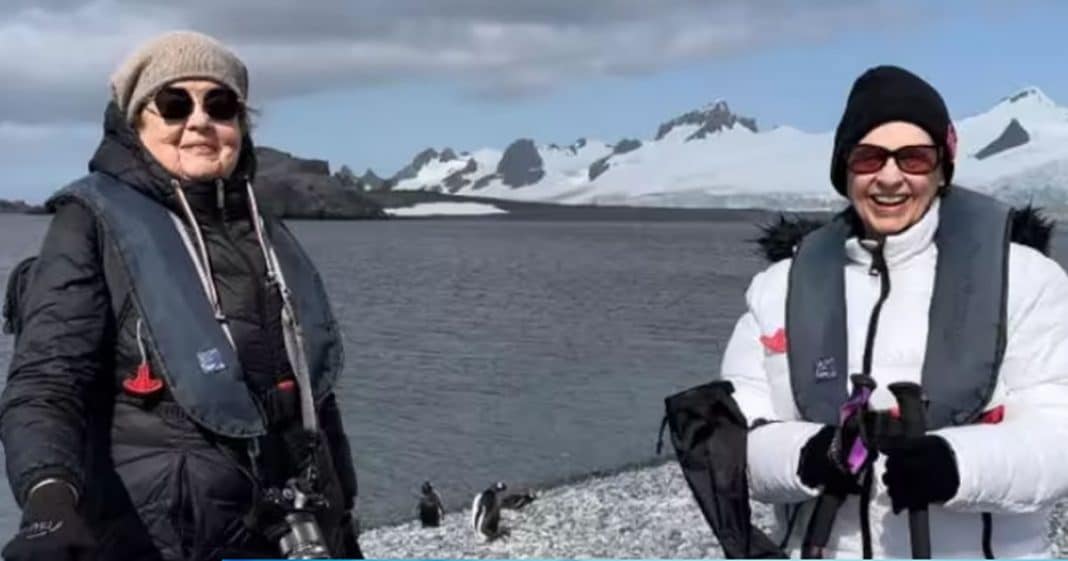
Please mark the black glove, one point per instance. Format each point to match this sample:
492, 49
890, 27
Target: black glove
816, 469
919, 471
51, 529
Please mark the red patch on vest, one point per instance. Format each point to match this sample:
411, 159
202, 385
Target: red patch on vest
994, 416
776, 342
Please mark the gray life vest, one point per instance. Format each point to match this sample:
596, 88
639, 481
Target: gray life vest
966, 337
194, 356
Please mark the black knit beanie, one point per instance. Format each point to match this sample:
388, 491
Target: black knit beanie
889, 93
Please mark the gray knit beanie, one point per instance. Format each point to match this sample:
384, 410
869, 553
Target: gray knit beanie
174, 56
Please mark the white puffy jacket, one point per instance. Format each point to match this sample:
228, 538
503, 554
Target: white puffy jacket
1016, 469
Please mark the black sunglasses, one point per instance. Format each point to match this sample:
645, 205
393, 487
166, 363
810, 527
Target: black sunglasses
915, 159
221, 104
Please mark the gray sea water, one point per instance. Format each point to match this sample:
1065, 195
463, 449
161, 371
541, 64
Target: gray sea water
528, 351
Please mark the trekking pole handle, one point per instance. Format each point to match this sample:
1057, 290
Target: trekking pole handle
821, 523
909, 397
914, 421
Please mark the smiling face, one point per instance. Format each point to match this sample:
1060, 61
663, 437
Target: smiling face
196, 147
889, 199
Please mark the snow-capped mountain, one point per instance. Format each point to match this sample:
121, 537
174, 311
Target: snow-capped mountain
1018, 149
713, 157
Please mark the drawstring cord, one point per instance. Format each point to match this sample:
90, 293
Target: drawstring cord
201, 259
141, 343
294, 333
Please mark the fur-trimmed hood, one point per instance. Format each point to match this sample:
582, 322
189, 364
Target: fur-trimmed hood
780, 238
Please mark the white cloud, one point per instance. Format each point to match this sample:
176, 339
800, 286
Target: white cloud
58, 55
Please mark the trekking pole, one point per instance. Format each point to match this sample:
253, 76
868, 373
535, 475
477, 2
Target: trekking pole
820, 524
914, 421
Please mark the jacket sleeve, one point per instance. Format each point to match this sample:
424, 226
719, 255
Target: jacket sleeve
340, 451
773, 448
57, 356
1019, 464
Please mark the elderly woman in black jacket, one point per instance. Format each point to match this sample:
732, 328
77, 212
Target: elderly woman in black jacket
175, 366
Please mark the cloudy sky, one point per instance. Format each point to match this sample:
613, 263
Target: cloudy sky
369, 83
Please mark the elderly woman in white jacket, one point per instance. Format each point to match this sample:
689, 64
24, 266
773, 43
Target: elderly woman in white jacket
925, 283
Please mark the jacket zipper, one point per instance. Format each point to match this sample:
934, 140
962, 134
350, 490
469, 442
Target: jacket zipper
261, 298
878, 268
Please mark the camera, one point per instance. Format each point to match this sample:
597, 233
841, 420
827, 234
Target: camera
297, 534
304, 539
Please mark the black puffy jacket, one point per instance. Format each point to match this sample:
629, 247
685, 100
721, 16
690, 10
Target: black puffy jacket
153, 485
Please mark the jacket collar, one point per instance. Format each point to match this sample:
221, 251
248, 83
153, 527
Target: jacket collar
898, 248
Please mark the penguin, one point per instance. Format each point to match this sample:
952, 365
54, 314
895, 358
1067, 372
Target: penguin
486, 512
517, 501
431, 509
